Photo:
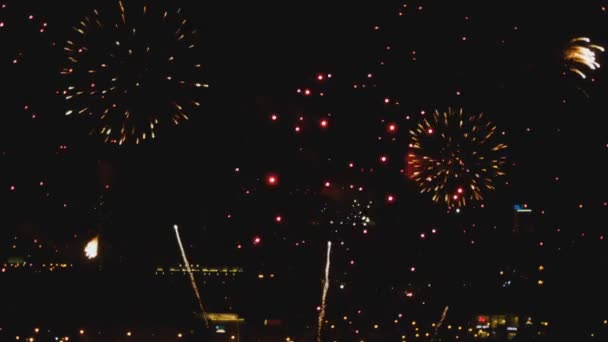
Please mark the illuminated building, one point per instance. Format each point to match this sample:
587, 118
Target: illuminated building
225, 326
214, 274
18, 265
496, 327
522, 219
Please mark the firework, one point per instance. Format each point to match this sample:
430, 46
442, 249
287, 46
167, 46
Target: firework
442, 319
580, 54
192, 281
357, 214
92, 247
324, 294
130, 71
455, 157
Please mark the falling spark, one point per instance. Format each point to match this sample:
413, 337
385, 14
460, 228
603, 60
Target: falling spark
92, 247
324, 295
580, 53
192, 281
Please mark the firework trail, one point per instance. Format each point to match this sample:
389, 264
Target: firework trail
581, 54
324, 295
192, 281
443, 315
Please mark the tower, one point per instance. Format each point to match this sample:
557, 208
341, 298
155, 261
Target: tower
522, 219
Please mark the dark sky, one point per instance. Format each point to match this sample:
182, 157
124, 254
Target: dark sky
257, 54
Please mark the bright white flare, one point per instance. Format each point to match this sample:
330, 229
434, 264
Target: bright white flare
324, 295
92, 247
192, 281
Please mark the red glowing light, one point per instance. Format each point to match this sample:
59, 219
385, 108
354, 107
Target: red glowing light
320, 77
392, 128
272, 180
297, 129
460, 190
257, 240
324, 123
307, 92
430, 131
12, 188
274, 117
390, 198
383, 159
327, 184
278, 219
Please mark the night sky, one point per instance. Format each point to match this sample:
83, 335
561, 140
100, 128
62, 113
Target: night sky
307, 92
